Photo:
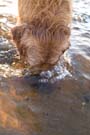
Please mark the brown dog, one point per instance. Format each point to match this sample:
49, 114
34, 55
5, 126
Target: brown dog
43, 32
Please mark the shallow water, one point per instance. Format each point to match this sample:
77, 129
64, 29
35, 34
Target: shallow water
55, 103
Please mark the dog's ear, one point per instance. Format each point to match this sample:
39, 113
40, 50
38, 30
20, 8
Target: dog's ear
17, 32
62, 32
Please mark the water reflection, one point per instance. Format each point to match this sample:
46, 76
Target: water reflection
55, 102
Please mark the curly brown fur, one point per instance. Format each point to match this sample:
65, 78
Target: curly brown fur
43, 31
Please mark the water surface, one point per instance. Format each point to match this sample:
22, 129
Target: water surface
56, 102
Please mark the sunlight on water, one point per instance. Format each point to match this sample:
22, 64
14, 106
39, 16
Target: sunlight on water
80, 28
58, 73
8, 7
56, 102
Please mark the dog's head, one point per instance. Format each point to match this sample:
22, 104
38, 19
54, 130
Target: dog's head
40, 46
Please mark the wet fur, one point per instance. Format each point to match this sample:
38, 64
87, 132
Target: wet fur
43, 31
